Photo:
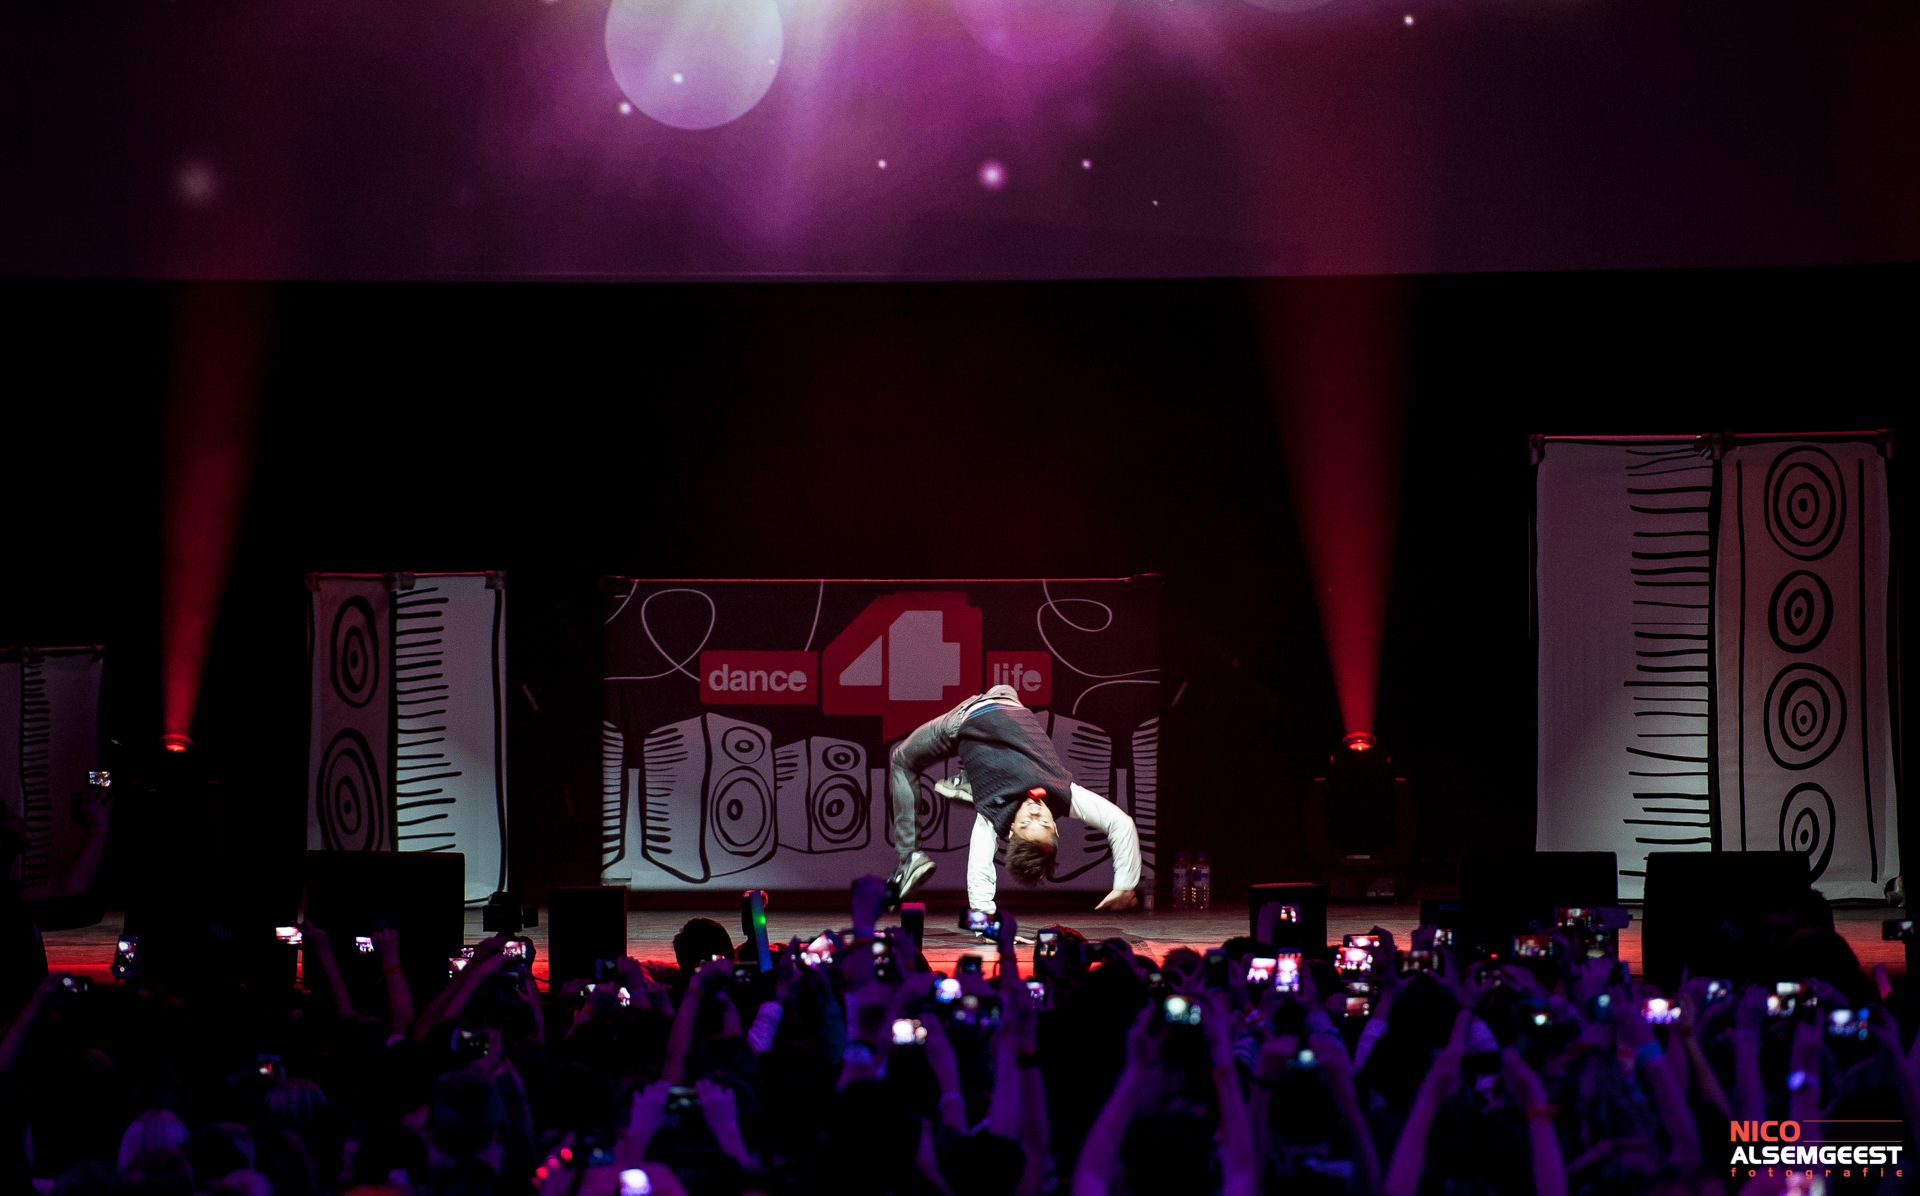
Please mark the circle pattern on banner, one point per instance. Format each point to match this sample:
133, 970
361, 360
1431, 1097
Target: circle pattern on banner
1804, 717
929, 813
694, 64
1801, 612
740, 743
742, 812
354, 653
839, 810
1806, 502
352, 811
1806, 826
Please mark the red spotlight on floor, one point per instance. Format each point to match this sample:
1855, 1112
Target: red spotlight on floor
175, 743
1360, 741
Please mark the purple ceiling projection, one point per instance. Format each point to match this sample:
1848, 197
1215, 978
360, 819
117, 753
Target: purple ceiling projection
952, 138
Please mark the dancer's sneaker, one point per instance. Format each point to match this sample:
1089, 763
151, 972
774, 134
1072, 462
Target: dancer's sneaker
956, 789
909, 876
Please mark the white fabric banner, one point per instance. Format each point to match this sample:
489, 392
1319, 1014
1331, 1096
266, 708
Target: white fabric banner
1622, 591
450, 732
350, 737
1806, 746
49, 741
408, 744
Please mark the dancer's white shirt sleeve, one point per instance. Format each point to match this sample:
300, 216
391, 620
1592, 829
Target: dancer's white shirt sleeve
982, 880
1113, 822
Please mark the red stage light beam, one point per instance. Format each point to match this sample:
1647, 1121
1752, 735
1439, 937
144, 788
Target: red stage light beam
211, 432
1337, 350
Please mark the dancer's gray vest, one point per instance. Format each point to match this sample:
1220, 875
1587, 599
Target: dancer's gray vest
1006, 754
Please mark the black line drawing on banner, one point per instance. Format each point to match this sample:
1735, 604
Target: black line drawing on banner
935, 823
1670, 650
613, 795
1806, 502
1800, 613
1802, 829
709, 777
36, 781
741, 806
821, 788
1087, 751
354, 653
672, 817
352, 813
1804, 716
418, 658
673, 666
1136, 677
1146, 791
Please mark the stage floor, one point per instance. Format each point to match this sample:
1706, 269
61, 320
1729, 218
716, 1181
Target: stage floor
650, 932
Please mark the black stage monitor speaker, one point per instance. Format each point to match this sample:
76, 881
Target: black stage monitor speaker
1507, 893
1306, 929
419, 894
1710, 912
584, 924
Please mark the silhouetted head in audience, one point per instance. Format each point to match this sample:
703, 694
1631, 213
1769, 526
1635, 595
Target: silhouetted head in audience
158, 1172
699, 940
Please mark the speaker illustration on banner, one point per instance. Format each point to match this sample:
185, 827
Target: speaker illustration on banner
1804, 643
709, 799
350, 739
613, 796
782, 785
821, 786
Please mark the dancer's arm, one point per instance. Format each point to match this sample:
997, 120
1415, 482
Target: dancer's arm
1113, 822
982, 879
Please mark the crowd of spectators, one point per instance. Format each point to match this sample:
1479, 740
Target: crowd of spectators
850, 1070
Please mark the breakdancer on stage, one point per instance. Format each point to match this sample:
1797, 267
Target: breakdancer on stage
1019, 791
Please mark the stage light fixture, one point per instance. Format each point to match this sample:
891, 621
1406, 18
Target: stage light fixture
173, 741
1360, 741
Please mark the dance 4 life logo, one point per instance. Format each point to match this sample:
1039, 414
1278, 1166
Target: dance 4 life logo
1770, 1144
907, 658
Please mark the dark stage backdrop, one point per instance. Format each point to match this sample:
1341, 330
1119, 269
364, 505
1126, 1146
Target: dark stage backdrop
49, 742
749, 723
569, 432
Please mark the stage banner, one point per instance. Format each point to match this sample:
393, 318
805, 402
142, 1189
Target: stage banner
49, 742
1712, 669
1805, 733
408, 744
748, 723
1622, 590
350, 729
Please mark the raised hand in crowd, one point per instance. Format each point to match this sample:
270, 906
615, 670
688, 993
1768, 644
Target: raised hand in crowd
721, 1112
386, 951
1441, 1081
1530, 1095
319, 950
